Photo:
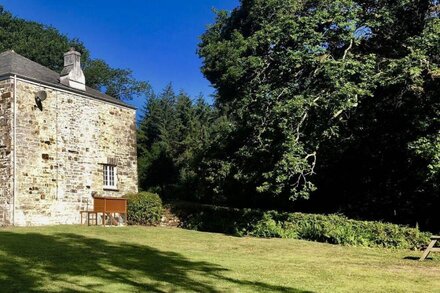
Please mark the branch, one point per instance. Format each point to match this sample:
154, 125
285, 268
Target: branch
299, 126
312, 167
303, 175
336, 115
303, 118
348, 49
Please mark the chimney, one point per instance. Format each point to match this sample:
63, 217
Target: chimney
72, 74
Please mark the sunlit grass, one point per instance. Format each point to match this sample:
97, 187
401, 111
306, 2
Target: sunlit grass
75, 258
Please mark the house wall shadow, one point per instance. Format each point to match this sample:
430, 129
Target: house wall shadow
28, 261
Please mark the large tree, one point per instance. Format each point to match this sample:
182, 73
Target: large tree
286, 73
387, 165
306, 84
46, 45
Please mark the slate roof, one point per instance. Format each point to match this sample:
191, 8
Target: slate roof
12, 63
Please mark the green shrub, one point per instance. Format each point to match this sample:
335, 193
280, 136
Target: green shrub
267, 228
144, 208
338, 229
335, 229
214, 218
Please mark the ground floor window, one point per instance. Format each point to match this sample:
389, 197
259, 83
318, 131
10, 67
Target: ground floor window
109, 176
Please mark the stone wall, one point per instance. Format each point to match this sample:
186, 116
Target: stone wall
6, 118
61, 149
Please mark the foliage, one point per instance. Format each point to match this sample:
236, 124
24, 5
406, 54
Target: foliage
428, 148
285, 73
339, 96
115, 82
212, 218
173, 132
46, 45
144, 208
385, 165
335, 229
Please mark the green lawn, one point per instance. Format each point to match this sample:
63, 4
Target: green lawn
75, 258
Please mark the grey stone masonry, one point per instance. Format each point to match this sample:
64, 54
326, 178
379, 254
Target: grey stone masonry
6, 179
60, 142
61, 149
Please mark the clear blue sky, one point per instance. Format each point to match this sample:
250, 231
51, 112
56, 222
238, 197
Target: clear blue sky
157, 39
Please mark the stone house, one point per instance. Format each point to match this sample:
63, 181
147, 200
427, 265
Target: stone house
60, 142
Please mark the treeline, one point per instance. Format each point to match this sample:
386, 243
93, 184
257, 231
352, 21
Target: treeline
320, 106
172, 137
46, 45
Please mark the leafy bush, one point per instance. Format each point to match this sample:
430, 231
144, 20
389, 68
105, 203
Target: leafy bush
144, 208
335, 229
214, 218
267, 227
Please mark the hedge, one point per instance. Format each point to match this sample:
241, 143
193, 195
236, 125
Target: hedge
144, 208
334, 228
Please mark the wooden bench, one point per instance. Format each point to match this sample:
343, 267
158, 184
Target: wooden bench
431, 247
108, 207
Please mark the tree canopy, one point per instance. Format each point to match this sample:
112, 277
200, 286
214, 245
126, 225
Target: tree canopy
324, 106
46, 45
172, 134
336, 95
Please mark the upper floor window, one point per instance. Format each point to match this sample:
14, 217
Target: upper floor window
109, 176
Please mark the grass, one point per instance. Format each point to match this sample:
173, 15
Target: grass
134, 259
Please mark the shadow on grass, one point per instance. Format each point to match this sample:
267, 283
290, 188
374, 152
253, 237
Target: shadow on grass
417, 258
70, 262
412, 257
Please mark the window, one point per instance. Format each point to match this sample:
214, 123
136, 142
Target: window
109, 177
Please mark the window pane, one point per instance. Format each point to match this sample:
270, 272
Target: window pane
104, 173
109, 175
111, 179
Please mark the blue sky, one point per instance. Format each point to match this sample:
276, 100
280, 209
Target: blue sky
156, 39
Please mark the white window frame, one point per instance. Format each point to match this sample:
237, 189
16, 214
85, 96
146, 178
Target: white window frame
110, 176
